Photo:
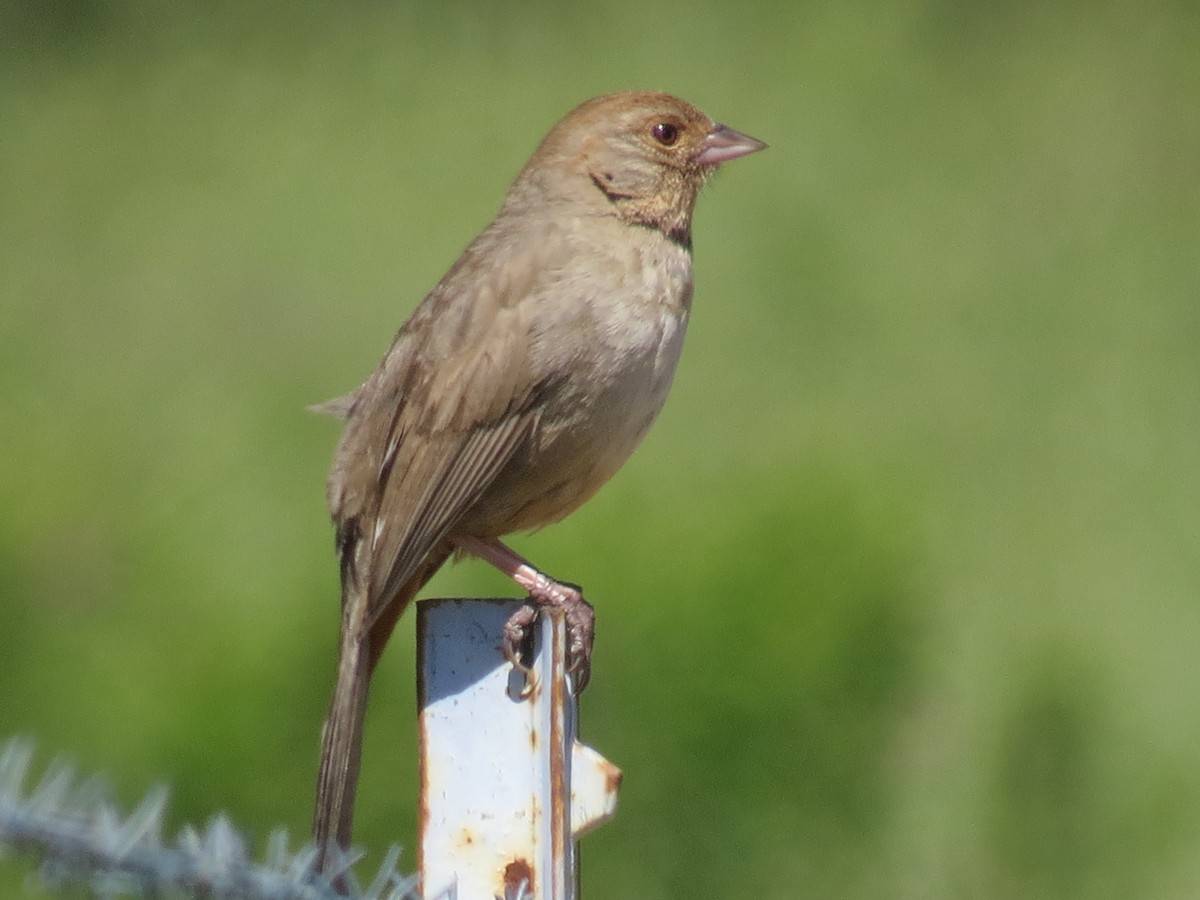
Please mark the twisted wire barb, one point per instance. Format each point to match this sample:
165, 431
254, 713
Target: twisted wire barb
82, 838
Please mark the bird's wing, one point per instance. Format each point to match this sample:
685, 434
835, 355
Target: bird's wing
452, 403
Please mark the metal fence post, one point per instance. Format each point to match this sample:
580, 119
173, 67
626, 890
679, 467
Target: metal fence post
506, 789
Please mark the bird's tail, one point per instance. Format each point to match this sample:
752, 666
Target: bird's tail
341, 740
362, 643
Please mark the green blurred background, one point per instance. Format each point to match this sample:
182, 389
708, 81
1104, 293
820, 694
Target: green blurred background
902, 596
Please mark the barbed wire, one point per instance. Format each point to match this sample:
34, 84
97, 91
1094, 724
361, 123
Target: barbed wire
82, 839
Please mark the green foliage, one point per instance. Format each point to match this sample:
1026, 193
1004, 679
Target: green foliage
898, 599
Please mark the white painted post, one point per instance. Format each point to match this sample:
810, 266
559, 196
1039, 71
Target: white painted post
506, 790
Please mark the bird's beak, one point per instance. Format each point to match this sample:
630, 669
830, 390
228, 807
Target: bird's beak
723, 144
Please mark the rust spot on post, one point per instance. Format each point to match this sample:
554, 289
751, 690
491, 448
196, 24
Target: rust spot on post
516, 873
612, 779
560, 791
423, 812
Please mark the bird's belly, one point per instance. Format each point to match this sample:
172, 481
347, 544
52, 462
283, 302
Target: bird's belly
588, 433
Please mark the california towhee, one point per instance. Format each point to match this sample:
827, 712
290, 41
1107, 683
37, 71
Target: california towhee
518, 387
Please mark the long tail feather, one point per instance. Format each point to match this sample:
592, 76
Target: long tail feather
341, 743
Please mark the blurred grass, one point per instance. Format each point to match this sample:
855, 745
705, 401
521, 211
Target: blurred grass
901, 596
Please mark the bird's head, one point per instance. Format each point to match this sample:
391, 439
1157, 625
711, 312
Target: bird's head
641, 156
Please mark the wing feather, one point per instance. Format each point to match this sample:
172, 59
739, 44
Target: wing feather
454, 400
453, 480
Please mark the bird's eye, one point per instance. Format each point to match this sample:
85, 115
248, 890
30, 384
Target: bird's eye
666, 133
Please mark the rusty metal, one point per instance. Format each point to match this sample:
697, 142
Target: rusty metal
506, 790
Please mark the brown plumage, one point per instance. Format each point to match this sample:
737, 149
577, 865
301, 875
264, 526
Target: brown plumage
519, 385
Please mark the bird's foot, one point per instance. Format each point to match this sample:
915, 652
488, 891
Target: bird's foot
543, 591
580, 621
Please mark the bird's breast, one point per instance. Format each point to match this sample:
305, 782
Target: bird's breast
611, 354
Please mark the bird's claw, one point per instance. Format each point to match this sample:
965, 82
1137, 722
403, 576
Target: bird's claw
518, 645
581, 631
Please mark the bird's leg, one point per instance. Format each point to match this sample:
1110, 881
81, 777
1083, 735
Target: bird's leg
543, 591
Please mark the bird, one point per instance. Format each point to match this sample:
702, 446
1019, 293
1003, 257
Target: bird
517, 387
